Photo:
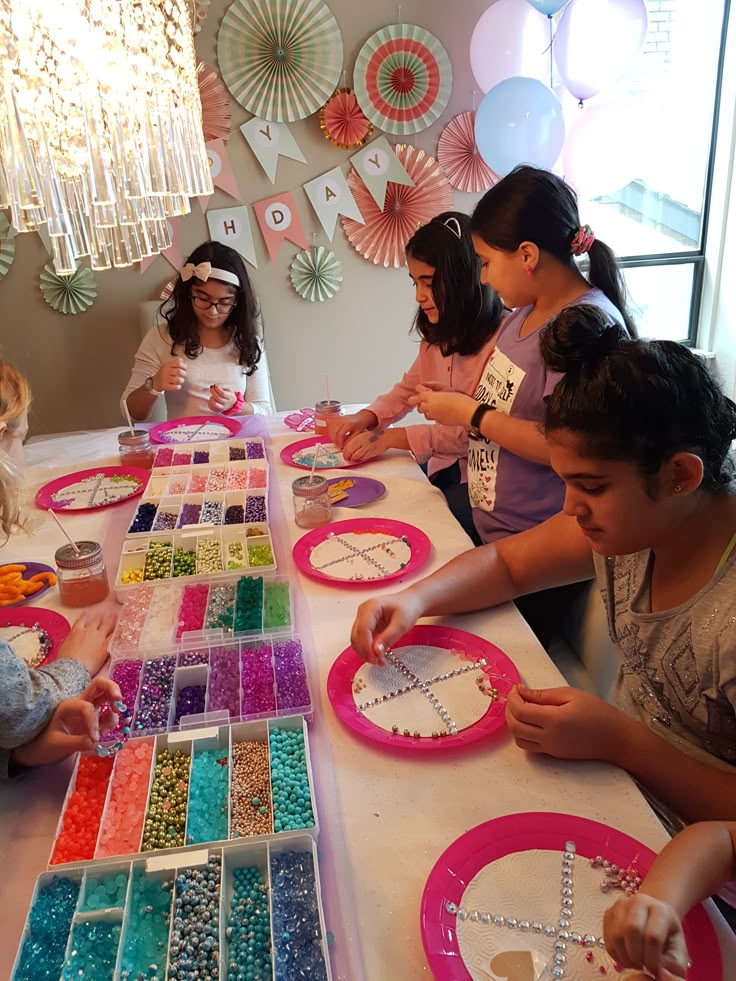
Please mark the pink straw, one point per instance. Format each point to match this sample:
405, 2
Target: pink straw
63, 530
327, 386
318, 449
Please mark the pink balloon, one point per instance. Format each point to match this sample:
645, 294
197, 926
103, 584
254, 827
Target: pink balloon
510, 38
596, 42
603, 149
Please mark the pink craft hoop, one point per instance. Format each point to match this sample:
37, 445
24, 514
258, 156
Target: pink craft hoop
53, 623
343, 671
486, 843
32, 569
420, 545
44, 499
287, 455
160, 432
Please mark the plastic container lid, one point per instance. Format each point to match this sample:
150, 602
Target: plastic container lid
328, 408
302, 487
89, 554
139, 437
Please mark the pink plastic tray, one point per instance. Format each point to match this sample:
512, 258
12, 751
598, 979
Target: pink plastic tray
287, 455
165, 432
45, 500
53, 623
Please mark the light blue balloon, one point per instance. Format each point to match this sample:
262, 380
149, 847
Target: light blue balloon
520, 120
548, 7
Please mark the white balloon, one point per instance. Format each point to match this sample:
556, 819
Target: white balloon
603, 149
510, 38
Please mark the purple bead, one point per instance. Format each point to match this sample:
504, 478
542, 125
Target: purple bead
189, 514
188, 659
291, 675
126, 675
234, 515
255, 508
257, 675
254, 451
156, 687
143, 519
201, 456
189, 702
223, 690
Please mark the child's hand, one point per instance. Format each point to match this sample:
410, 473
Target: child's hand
366, 446
447, 408
380, 622
74, 727
170, 376
562, 722
222, 398
642, 932
88, 639
341, 428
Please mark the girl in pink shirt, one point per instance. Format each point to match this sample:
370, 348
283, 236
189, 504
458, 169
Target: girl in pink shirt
457, 321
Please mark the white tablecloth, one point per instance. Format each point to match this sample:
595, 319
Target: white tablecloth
385, 820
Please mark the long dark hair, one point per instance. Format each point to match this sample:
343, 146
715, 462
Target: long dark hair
469, 313
179, 313
636, 400
533, 205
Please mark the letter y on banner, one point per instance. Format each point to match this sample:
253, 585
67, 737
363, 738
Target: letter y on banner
330, 196
279, 219
377, 164
269, 141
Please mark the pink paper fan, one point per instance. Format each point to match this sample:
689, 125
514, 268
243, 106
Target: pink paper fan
343, 122
383, 237
216, 119
459, 157
167, 289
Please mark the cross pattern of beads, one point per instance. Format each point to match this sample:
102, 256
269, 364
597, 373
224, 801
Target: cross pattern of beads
431, 687
188, 434
96, 491
327, 457
350, 556
31, 643
562, 935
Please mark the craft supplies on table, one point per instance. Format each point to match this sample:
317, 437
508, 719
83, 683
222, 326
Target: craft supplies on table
190, 429
22, 581
185, 789
118, 917
90, 490
203, 453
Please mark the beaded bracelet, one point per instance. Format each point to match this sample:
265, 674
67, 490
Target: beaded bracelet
124, 712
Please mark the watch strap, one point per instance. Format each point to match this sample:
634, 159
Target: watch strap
478, 417
148, 385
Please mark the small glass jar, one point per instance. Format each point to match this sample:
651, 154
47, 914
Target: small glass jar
82, 577
324, 413
135, 448
312, 505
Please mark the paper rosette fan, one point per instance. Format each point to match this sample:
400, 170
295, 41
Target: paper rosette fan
167, 289
216, 119
343, 122
316, 274
383, 237
7, 245
281, 59
68, 294
459, 157
403, 79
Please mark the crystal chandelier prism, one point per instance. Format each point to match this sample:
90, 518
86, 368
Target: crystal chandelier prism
100, 125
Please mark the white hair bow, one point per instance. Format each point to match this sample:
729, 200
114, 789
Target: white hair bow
202, 271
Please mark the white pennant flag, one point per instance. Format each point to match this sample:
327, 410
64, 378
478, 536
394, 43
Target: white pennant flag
269, 141
231, 226
331, 196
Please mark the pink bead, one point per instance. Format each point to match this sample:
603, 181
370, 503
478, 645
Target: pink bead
192, 609
237, 479
589, 957
126, 807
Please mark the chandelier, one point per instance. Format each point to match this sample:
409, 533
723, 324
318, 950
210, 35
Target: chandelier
100, 125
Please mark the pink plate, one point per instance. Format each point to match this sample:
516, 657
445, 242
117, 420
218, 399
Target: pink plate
344, 669
53, 623
32, 568
481, 846
418, 542
100, 494
287, 455
193, 429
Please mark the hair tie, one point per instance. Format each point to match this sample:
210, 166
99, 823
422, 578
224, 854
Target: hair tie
583, 240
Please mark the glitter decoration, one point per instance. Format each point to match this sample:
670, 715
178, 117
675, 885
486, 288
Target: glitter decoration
68, 294
460, 158
316, 274
343, 122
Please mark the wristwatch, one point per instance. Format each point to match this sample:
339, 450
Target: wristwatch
478, 415
148, 385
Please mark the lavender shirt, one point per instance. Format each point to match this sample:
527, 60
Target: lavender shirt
508, 493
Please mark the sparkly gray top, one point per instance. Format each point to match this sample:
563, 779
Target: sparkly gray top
30, 697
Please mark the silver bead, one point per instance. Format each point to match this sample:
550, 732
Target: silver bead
461, 914
567, 902
560, 945
499, 920
564, 923
537, 927
485, 918
559, 958
549, 930
566, 891
567, 881
524, 925
588, 940
569, 856
512, 922
558, 972
602, 943
576, 938
563, 935
451, 908
474, 916
570, 846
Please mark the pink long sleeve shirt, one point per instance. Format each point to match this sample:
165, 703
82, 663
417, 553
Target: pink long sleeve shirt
440, 446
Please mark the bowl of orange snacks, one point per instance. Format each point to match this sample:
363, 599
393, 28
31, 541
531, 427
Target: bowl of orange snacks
23, 581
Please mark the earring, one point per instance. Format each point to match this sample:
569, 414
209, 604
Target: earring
529, 271
677, 488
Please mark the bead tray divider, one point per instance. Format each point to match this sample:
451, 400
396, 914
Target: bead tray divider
165, 867
134, 553
194, 638
218, 450
200, 674
192, 741
173, 504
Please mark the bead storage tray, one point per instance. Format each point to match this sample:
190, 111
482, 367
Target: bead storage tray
254, 906
170, 512
173, 615
178, 791
196, 555
263, 678
200, 456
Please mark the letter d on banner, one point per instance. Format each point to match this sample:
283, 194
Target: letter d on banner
279, 219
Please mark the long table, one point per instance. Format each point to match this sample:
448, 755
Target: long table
385, 820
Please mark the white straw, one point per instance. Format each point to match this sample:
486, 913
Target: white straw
327, 386
127, 416
63, 530
318, 450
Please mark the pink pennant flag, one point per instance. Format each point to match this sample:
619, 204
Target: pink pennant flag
222, 172
173, 253
279, 219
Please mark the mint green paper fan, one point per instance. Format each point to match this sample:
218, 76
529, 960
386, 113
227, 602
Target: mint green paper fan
7, 245
316, 274
68, 294
281, 59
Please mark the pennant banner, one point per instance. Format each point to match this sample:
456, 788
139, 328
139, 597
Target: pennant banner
222, 172
330, 196
173, 253
377, 164
269, 141
231, 226
279, 219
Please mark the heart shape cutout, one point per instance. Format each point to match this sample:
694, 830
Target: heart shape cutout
514, 965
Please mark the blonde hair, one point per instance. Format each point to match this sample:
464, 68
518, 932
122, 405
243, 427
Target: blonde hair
15, 400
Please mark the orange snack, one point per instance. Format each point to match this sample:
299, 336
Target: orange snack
13, 587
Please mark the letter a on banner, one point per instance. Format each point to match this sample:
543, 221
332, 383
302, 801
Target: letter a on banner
279, 219
269, 141
377, 164
330, 196
231, 226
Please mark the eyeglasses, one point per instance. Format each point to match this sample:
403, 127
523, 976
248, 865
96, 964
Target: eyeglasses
203, 303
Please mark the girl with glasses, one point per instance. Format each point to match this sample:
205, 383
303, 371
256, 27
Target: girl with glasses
207, 356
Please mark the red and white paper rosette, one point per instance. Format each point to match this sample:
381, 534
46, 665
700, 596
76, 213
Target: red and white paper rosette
343, 122
216, 118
